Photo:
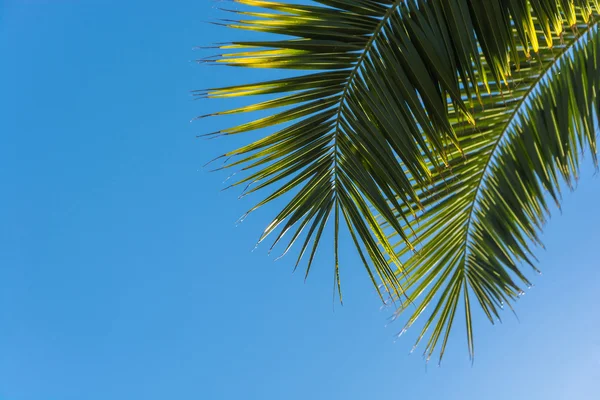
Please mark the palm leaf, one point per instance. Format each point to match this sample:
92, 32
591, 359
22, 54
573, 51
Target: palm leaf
339, 148
439, 124
482, 217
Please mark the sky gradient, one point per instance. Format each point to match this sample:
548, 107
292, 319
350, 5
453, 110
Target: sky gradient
123, 274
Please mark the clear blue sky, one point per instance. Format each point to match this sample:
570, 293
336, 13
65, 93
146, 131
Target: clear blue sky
123, 276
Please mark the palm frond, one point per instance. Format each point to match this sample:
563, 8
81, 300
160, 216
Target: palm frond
482, 217
371, 104
430, 129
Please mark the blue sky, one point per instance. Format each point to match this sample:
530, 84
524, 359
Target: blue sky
123, 275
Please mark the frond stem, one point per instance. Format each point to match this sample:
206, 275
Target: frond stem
343, 96
354, 72
518, 109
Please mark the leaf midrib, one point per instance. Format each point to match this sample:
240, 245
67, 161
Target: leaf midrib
353, 74
336, 129
516, 112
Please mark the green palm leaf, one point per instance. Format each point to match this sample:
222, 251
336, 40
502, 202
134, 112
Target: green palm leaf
431, 125
332, 150
481, 218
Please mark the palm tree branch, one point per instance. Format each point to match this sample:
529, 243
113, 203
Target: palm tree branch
519, 111
270, 152
458, 218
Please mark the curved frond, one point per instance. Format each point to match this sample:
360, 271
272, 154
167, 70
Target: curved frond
483, 216
372, 102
